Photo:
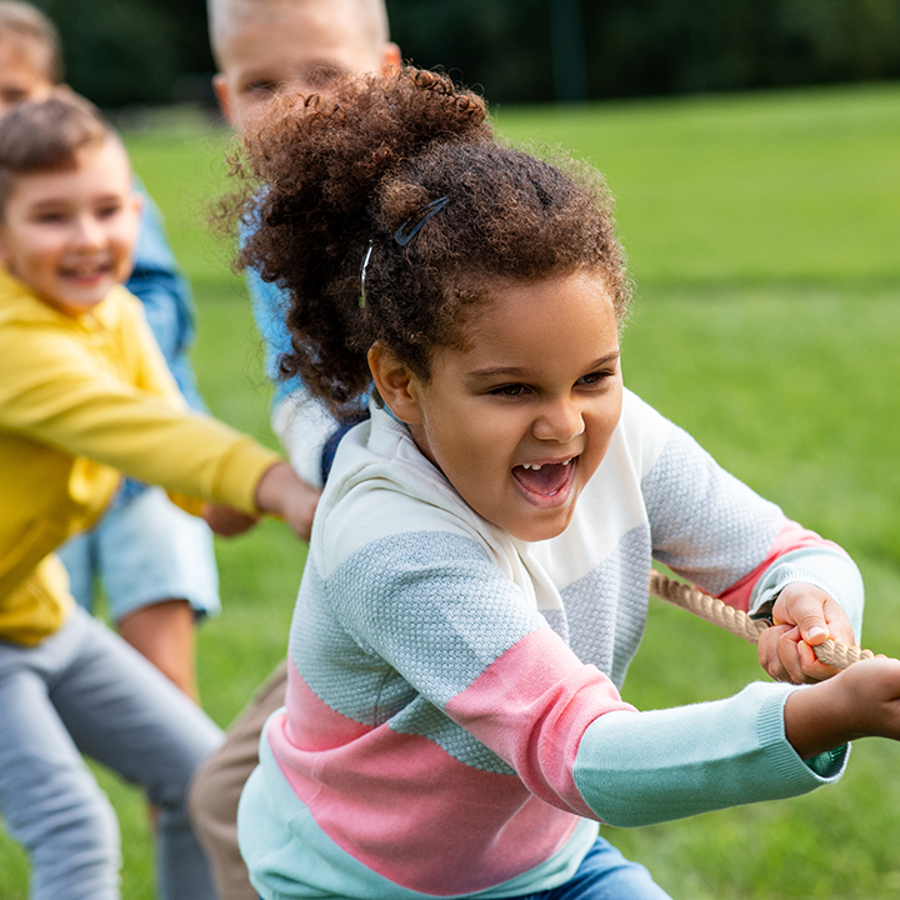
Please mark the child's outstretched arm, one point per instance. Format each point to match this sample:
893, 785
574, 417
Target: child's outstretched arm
58, 395
861, 701
281, 492
803, 616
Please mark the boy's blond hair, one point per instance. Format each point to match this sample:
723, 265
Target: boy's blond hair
24, 21
227, 16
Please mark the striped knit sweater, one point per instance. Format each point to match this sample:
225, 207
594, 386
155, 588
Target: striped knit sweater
453, 724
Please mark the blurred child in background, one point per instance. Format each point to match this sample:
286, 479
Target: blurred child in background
155, 563
261, 46
84, 395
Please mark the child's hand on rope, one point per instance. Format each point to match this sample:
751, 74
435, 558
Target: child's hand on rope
803, 616
861, 701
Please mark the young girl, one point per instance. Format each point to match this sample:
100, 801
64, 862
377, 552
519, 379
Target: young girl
477, 581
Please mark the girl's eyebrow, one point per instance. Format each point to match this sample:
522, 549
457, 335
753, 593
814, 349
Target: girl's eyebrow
519, 371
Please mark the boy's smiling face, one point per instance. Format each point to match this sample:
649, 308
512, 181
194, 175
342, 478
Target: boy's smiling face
519, 419
294, 46
69, 235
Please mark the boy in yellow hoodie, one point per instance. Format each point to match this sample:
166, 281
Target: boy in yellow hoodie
85, 395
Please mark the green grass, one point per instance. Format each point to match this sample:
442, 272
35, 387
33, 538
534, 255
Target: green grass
756, 188
762, 234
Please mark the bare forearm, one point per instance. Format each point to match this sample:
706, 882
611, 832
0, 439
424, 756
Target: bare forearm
281, 492
861, 701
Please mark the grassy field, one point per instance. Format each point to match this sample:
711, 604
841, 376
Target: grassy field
762, 232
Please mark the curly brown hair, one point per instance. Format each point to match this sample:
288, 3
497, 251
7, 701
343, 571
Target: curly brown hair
330, 178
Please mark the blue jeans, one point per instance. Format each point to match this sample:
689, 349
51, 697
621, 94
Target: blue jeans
84, 690
604, 874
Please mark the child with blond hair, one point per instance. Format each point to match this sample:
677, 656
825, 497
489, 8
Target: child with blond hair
262, 47
85, 395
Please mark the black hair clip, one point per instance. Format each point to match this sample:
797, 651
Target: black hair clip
404, 234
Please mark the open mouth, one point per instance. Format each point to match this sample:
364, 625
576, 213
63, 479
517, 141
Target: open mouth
547, 479
86, 272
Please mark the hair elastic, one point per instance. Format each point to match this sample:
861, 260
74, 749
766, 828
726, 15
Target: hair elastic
403, 235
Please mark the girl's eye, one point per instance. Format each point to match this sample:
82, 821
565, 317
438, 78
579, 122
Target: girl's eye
593, 378
509, 390
107, 212
49, 218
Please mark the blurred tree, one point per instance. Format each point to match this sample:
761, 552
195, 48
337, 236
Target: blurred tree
638, 47
500, 46
676, 46
120, 52
567, 42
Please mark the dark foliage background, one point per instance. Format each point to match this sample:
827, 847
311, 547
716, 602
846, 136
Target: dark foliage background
122, 52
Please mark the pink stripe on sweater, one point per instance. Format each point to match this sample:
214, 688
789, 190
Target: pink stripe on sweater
791, 537
322, 727
408, 810
532, 707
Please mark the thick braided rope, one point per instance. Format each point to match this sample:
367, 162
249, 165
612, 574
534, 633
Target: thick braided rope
832, 653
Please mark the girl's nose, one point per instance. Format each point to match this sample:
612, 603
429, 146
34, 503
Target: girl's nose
559, 421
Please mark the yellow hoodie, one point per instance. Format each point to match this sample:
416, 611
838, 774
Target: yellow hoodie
81, 400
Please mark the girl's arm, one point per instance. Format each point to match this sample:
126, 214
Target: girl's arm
447, 623
861, 701
720, 535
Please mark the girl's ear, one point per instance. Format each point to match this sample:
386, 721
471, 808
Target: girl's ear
396, 384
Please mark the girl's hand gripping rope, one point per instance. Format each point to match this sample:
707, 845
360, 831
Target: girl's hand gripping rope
858, 701
803, 618
802, 603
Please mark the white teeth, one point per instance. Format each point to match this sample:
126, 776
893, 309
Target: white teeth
536, 466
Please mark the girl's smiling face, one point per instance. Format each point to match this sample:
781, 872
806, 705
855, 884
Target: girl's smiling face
518, 419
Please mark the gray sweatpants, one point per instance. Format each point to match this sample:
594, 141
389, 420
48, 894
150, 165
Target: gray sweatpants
84, 690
